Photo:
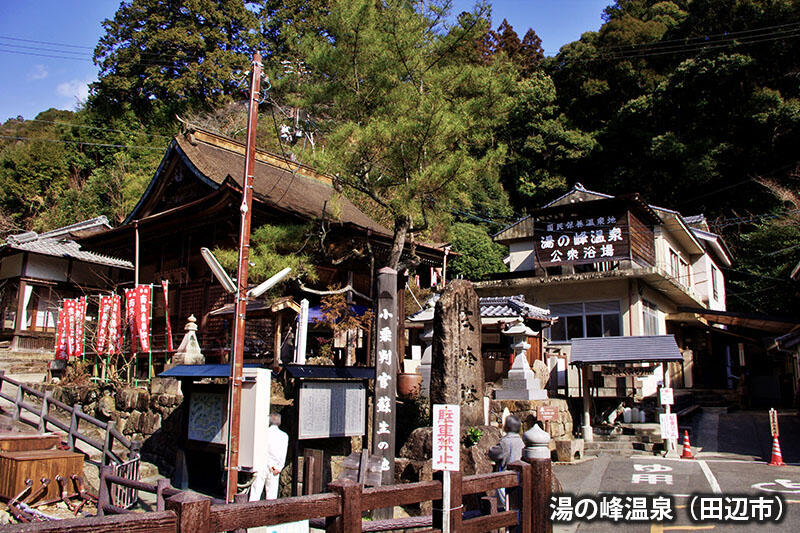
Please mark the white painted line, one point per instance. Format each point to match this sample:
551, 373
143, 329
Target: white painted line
715, 488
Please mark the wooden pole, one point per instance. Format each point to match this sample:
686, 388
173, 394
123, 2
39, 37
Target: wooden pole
350, 520
193, 511
521, 497
447, 511
542, 488
237, 356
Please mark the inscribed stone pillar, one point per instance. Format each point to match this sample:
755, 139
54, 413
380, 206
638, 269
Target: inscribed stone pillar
456, 365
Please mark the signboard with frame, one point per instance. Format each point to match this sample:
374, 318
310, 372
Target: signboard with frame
547, 412
331, 409
446, 437
669, 426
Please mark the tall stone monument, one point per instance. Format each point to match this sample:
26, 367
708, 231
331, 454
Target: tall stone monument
456, 364
189, 353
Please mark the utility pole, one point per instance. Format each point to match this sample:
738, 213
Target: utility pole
237, 355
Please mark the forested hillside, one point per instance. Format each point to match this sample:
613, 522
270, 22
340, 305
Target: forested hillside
693, 103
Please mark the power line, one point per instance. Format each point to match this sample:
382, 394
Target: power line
44, 42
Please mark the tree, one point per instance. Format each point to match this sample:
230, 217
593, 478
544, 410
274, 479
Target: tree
479, 254
403, 123
167, 57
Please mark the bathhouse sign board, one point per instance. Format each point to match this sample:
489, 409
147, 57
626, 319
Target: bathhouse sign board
581, 240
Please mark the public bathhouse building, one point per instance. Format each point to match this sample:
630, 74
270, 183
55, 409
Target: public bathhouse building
635, 288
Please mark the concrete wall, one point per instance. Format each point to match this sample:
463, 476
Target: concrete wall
703, 286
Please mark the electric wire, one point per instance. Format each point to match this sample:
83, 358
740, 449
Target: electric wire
85, 143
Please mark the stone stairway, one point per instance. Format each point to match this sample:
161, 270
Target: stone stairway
715, 397
625, 440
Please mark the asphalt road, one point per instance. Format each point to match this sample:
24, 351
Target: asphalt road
731, 463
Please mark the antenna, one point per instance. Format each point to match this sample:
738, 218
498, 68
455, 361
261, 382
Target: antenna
267, 285
219, 272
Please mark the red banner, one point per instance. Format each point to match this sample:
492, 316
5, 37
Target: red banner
61, 335
144, 295
103, 315
69, 307
80, 320
165, 287
130, 315
115, 326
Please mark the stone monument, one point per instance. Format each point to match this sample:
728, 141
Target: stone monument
521, 383
424, 367
456, 364
189, 353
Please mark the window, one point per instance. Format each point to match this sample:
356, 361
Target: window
649, 318
678, 268
589, 319
715, 282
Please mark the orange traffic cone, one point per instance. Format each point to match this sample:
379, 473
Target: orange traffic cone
687, 448
777, 458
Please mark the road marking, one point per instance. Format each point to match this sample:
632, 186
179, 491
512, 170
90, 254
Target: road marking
715, 488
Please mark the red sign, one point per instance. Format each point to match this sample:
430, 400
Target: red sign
547, 412
144, 294
103, 315
165, 287
446, 437
130, 315
62, 351
114, 341
80, 320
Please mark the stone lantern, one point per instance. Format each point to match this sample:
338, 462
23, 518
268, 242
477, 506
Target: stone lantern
521, 383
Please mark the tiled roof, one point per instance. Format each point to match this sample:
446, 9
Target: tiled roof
60, 247
492, 307
694, 219
511, 306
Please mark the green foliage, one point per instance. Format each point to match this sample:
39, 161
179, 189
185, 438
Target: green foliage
473, 435
479, 254
166, 57
404, 123
273, 248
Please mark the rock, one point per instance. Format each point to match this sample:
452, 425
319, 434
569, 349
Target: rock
165, 386
568, 450
419, 445
456, 368
149, 423
133, 423
5, 518
541, 372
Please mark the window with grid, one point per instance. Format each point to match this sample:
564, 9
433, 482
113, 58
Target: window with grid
650, 318
586, 319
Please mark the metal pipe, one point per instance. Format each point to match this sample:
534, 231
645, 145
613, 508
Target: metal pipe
237, 354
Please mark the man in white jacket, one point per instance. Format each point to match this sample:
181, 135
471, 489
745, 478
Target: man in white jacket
268, 466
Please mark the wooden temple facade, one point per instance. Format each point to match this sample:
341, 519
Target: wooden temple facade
193, 201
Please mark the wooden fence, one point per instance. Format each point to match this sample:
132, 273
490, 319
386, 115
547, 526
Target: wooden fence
23, 398
528, 487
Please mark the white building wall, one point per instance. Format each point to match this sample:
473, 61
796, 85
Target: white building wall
521, 256
703, 278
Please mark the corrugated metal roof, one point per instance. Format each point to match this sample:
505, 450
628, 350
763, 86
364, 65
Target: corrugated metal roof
654, 348
38, 244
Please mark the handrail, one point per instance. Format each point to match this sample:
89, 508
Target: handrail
43, 418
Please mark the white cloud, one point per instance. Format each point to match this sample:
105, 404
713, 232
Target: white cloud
38, 72
76, 90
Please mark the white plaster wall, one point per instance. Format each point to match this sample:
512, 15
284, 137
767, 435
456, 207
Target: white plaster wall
703, 286
11, 266
664, 240
521, 256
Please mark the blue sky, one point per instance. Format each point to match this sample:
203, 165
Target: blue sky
46, 45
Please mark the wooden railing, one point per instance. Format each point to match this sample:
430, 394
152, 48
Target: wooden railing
528, 487
23, 399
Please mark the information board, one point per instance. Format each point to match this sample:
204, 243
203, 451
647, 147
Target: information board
666, 396
331, 409
669, 426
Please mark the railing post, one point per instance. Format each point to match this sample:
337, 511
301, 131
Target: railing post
108, 442
73, 427
521, 497
44, 411
454, 508
18, 402
537, 453
161, 484
240, 497
349, 521
104, 492
193, 510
